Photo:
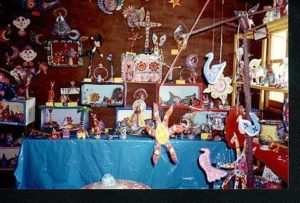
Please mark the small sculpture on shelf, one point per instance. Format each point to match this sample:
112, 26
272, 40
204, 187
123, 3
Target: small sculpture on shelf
51, 93
82, 132
98, 126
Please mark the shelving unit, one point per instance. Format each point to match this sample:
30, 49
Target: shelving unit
272, 27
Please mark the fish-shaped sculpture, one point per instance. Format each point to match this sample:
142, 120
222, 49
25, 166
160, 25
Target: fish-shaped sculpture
246, 127
212, 173
213, 73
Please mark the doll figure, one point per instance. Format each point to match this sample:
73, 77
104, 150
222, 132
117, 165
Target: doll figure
136, 120
60, 28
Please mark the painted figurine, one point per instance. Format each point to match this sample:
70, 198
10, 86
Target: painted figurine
51, 93
97, 128
60, 28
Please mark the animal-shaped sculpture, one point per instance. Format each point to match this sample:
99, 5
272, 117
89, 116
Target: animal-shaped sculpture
247, 127
246, 23
212, 173
257, 71
174, 99
212, 74
180, 36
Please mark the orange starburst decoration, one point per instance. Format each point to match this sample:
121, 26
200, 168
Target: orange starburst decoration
175, 3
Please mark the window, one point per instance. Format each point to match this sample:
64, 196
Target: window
278, 52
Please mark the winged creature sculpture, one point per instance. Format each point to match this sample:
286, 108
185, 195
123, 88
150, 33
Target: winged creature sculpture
213, 73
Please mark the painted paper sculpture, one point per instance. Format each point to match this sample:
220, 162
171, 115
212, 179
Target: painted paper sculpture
213, 73
220, 89
246, 127
109, 182
162, 134
212, 173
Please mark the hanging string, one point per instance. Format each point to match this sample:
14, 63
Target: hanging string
221, 37
213, 39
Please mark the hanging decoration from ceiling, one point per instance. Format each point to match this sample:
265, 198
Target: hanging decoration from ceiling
108, 6
213, 73
220, 89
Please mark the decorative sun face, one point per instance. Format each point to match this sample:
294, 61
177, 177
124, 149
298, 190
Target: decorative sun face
220, 89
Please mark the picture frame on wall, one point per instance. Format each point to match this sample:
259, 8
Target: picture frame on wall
102, 94
64, 53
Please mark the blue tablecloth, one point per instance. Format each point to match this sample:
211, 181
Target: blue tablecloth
72, 163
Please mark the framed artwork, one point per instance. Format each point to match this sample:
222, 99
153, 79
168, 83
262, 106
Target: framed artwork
64, 53
102, 94
126, 112
181, 96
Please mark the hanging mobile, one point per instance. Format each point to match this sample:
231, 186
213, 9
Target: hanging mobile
98, 77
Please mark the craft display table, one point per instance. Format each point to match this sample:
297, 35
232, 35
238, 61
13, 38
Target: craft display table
72, 163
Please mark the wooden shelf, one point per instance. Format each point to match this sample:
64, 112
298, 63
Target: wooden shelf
267, 88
